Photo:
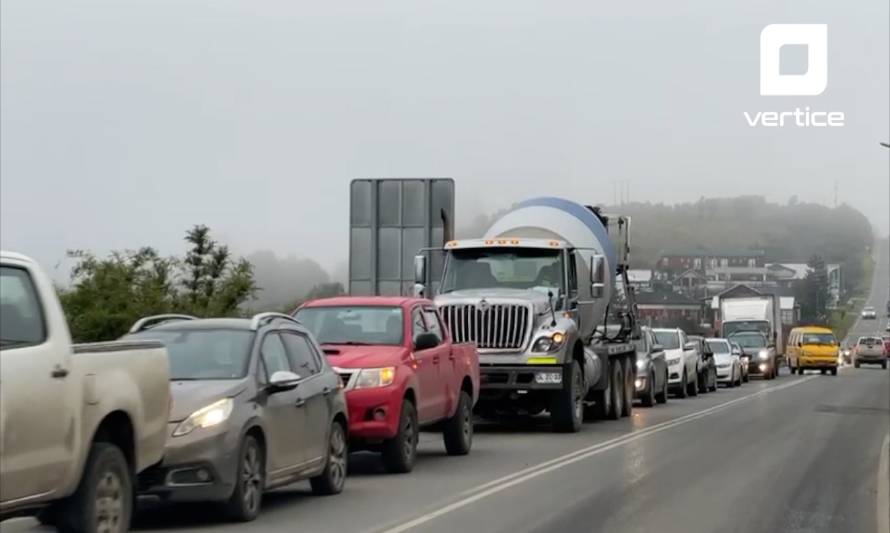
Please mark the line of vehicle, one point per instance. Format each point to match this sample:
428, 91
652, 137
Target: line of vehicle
484, 490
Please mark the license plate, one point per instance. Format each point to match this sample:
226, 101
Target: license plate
547, 378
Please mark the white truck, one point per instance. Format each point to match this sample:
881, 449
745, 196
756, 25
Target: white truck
77, 422
542, 294
755, 314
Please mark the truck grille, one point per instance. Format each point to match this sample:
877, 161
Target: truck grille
498, 327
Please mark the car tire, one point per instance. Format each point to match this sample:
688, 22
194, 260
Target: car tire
745, 378
458, 430
703, 383
648, 399
250, 480
333, 477
400, 452
106, 472
834, 371
713, 387
629, 371
856, 364
683, 390
693, 387
662, 396
884, 364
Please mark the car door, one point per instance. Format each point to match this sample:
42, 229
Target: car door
429, 395
38, 400
690, 355
449, 366
312, 392
286, 421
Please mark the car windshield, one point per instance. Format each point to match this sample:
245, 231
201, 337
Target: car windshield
719, 346
354, 324
749, 340
203, 354
512, 268
819, 338
669, 340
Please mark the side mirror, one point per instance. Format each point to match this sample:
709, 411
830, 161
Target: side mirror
425, 341
283, 380
689, 346
420, 269
657, 348
597, 276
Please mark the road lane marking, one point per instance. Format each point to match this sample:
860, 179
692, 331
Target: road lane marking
883, 502
479, 492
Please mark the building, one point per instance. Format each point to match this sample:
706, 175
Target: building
640, 279
670, 309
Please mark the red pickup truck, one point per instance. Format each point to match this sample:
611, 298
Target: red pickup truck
401, 371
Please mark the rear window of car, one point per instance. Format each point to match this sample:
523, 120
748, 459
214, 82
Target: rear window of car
719, 346
869, 341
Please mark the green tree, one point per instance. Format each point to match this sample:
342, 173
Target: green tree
814, 292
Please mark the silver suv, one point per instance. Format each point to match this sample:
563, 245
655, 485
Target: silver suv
255, 406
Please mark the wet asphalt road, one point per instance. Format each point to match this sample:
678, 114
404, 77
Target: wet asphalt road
799, 454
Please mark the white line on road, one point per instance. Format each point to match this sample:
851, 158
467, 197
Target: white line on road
883, 503
492, 487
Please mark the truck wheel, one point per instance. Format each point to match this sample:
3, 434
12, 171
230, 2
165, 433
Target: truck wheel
567, 411
458, 430
103, 500
400, 452
683, 390
602, 404
648, 398
629, 386
333, 477
662, 396
250, 481
617, 392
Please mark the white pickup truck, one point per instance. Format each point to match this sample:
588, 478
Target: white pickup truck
77, 422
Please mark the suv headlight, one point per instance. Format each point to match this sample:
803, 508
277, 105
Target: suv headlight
549, 343
674, 361
369, 378
763, 355
205, 417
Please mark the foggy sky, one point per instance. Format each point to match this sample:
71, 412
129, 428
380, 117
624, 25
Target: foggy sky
124, 123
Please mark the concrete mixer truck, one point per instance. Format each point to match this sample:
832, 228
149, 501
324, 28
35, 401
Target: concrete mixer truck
544, 295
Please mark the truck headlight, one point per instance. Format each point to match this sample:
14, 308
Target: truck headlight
549, 343
369, 378
763, 355
205, 417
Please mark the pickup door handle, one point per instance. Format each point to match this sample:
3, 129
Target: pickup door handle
300, 402
435, 359
327, 390
59, 372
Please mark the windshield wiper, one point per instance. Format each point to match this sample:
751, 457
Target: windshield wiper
350, 343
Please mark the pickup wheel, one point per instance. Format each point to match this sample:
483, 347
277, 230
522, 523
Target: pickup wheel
250, 480
567, 407
627, 405
333, 477
400, 451
104, 499
458, 430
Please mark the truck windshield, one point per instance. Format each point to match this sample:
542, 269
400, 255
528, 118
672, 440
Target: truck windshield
354, 324
203, 354
759, 326
749, 340
512, 268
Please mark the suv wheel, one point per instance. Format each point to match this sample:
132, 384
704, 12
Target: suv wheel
400, 451
333, 477
458, 431
244, 504
104, 499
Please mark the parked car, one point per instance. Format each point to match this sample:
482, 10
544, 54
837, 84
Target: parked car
744, 360
812, 348
869, 313
255, 406
77, 421
682, 360
729, 364
707, 370
651, 384
870, 351
762, 358
401, 371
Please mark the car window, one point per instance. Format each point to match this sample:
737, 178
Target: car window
432, 321
274, 355
199, 354
417, 324
719, 346
21, 317
669, 340
302, 356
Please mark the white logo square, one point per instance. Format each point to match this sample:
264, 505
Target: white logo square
814, 80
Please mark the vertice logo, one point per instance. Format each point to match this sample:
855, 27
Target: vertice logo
812, 82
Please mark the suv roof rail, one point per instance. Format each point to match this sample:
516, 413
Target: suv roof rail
260, 318
146, 322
